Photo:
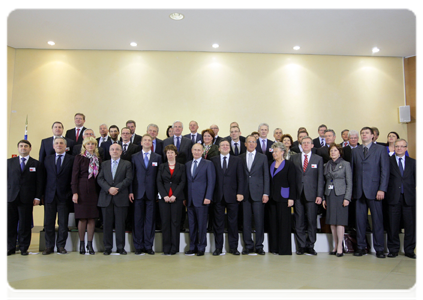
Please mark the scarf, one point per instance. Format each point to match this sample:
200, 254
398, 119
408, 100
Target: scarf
94, 164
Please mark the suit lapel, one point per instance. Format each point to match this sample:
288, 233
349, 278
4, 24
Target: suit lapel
200, 165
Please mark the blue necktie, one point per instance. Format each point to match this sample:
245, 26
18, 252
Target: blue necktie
402, 173
263, 147
195, 168
178, 144
58, 163
23, 163
236, 149
114, 168
146, 159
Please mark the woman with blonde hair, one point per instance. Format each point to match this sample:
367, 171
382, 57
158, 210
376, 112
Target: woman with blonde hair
86, 167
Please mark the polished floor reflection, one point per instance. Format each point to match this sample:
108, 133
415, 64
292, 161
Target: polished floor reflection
323, 271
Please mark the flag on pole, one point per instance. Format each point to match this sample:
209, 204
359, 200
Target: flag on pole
26, 128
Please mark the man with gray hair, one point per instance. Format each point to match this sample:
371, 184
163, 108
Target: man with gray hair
277, 134
353, 136
330, 138
263, 143
183, 144
157, 147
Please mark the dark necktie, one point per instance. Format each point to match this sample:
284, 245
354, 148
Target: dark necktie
23, 159
365, 151
58, 163
305, 163
124, 149
194, 168
178, 144
263, 147
152, 147
225, 166
236, 149
322, 143
402, 173
193, 138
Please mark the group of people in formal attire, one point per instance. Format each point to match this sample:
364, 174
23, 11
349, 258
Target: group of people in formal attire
138, 181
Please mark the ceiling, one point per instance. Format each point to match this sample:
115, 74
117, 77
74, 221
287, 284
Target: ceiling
322, 32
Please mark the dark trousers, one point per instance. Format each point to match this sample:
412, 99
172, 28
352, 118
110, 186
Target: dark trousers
144, 228
280, 228
61, 208
219, 223
250, 208
197, 218
116, 215
22, 213
375, 206
171, 219
409, 216
305, 211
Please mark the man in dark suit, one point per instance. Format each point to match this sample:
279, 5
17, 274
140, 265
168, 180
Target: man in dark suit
228, 193
47, 143
370, 165
143, 194
234, 124
114, 180
236, 146
256, 195
57, 196
217, 138
183, 144
25, 181
128, 148
135, 138
277, 134
353, 136
344, 135
330, 138
310, 188
320, 140
114, 134
296, 146
401, 197
104, 136
157, 144
376, 136
88, 133
75, 134
201, 181
194, 136
263, 143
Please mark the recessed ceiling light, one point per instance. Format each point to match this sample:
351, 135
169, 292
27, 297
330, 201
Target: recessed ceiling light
133, 44
176, 16
215, 46
297, 48
375, 50
51, 43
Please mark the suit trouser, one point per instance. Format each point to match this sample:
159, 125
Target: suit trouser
170, 214
305, 209
144, 228
251, 208
50, 209
280, 228
197, 218
116, 214
375, 206
22, 213
409, 216
219, 223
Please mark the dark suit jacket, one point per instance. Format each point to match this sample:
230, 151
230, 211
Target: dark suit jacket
58, 184
28, 184
71, 134
77, 150
283, 184
241, 138
296, 149
136, 141
230, 183
198, 138
268, 149
213, 151
201, 186
370, 174
316, 143
159, 147
184, 154
241, 148
144, 182
408, 181
347, 153
312, 180
122, 181
324, 153
132, 149
47, 148
257, 179
217, 140
176, 181
106, 148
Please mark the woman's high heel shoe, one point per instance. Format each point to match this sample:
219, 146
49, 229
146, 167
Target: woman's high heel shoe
82, 247
90, 248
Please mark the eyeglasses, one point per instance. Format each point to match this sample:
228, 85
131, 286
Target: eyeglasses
400, 146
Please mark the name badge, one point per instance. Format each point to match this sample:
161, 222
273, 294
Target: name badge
314, 166
32, 170
67, 149
330, 187
154, 164
199, 142
270, 149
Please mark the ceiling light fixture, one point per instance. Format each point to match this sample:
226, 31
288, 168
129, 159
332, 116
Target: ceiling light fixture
51, 43
176, 16
297, 48
375, 50
133, 44
215, 46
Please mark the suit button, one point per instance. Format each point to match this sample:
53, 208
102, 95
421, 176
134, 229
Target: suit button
170, 182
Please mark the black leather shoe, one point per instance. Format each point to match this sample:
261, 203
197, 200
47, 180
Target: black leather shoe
339, 254
200, 253
410, 255
234, 251
82, 247
139, 252
380, 254
47, 251
150, 251
332, 253
107, 252
300, 251
260, 251
392, 254
122, 252
217, 252
62, 250
11, 251
245, 252
24, 252
90, 248
311, 251
190, 252
359, 252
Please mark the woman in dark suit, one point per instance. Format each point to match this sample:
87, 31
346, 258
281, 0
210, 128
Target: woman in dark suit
209, 150
390, 144
86, 167
282, 195
170, 183
288, 142
338, 191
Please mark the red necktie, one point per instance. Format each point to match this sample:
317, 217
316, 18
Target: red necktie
345, 144
305, 163
77, 134
152, 147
